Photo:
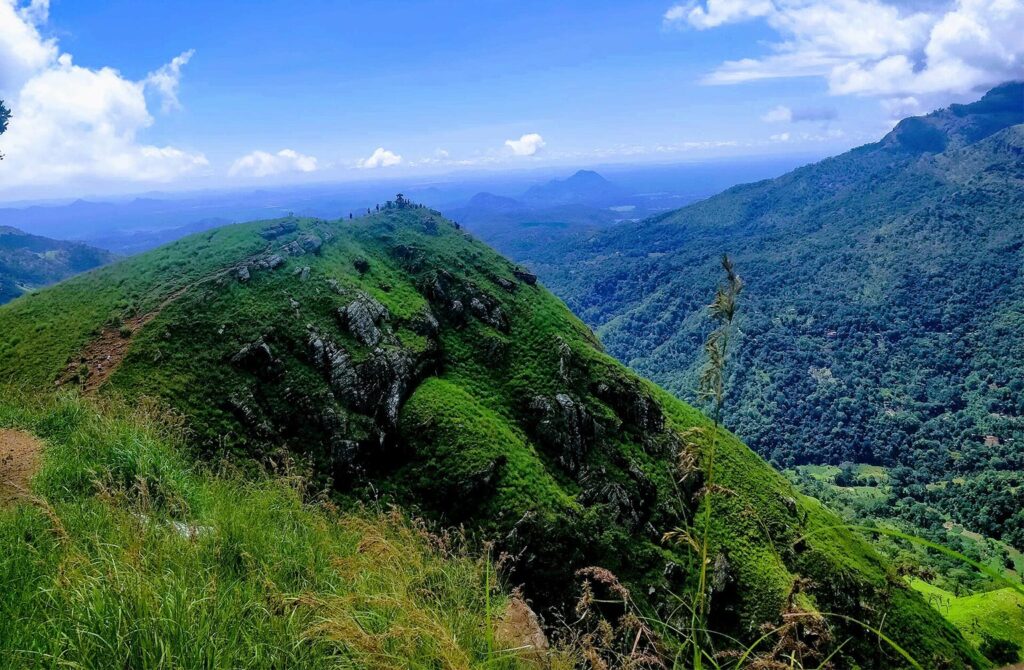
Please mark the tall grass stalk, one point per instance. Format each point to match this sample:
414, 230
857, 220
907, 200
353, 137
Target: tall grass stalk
711, 388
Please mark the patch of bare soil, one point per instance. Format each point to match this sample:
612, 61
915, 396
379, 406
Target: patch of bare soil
98, 360
100, 357
20, 455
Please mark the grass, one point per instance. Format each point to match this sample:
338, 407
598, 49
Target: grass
559, 492
992, 614
128, 557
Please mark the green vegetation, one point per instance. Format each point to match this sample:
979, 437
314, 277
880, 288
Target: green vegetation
885, 307
5, 116
986, 618
394, 356
129, 557
29, 261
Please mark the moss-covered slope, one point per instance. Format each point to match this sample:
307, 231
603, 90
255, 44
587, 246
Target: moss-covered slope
396, 354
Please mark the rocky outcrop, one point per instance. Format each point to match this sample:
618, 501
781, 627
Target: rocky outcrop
307, 243
458, 299
377, 386
564, 427
362, 317
279, 229
271, 262
632, 404
257, 358
525, 277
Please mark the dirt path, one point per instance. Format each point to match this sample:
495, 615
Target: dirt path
20, 456
100, 357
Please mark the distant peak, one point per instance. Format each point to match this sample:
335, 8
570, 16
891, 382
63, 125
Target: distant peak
958, 125
586, 175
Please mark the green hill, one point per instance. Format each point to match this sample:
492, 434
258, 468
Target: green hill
884, 320
30, 261
396, 356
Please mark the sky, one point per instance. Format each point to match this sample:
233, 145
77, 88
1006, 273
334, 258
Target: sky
130, 95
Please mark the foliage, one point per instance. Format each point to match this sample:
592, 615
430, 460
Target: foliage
511, 420
884, 318
30, 261
5, 116
126, 556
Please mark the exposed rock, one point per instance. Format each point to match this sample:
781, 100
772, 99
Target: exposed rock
377, 386
243, 406
425, 324
307, 243
271, 262
564, 427
256, 357
519, 628
302, 273
524, 276
505, 284
243, 274
361, 317
721, 574
632, 404
278, 229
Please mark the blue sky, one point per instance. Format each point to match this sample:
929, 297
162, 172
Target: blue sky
346, 89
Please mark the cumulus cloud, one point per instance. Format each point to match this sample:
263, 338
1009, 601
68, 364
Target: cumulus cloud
873, 48
71, 123
381, 157
165, 81
527, 145
263, 164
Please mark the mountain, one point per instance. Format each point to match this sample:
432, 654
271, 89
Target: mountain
28, 261
395, 356
884, 321
583, 187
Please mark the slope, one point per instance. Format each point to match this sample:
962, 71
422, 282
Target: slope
125, 555
30, 261
884, 312
395, 355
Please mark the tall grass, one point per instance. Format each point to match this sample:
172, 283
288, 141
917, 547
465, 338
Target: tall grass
126, 556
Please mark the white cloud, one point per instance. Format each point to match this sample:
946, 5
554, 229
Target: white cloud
874, 48
716, 12
73, 124
900, 108
23, 51
381, 157
263, 164
780, 137
527, 145
780, 114
167, 79
784, 114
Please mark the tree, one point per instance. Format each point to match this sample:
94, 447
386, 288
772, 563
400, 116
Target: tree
5, 116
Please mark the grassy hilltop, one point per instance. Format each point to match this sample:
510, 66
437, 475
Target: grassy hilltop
395, 356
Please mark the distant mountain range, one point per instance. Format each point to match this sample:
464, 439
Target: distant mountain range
30, 261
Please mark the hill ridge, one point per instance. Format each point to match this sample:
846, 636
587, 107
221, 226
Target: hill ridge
395, 355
